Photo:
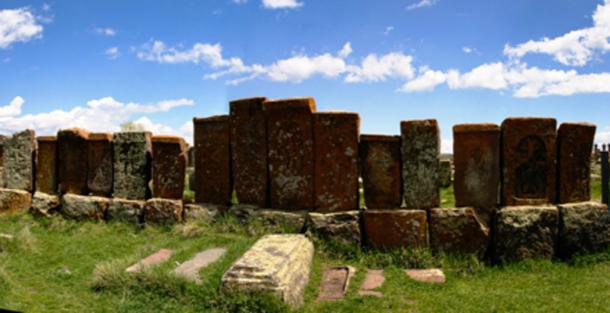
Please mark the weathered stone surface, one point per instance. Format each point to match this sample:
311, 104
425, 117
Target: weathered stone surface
153, 259
476, 158
434, 275
374, 279
420, 149
100, 164
276, 263
80, 208
444, 173
343, 227
395, 228
19, 155
43, 204
124, 210
202, 211
132, 161
336, 161
46, 165
381, 171
457, 231
249, 151
583, 228
288, 221
291, 154
335, 283
525, 232
2, 141
72, 161
529, 148
14, 200
190, 269
162, 211
168, 166
574, 145
213, 160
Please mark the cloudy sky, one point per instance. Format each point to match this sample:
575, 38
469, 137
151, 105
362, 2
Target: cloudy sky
159, 63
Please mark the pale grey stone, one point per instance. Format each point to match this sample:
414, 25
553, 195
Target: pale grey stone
583, 228
190, 269
286, 221
19, 156
124, 210
343, 227
81, 208
43, 204
132, 165
202, 212
14, 201
163, 211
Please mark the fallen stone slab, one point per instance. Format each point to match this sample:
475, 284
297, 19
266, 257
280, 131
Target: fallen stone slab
80, 208
395, 228
19, 154
458, 231
335, 283
124, 210
202, 212
374, 279
153, 259
43, 204
583, 228
14, 201
434, 275
343, 227
163, 211
190, 269
277, 263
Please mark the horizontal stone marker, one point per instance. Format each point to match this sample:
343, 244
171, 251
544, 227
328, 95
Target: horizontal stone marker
457, 231
335, 283
476, 158
249, 151
529, 148
72, 161
395, 228
435, 275
43, 204
190, 269
574, 144
153, 259
213, 160
277, 263
374, 279
168, 166
124, 210
444, 173
336, 161
381, 171
100, 166
525, 232
14, 201
420, 148
81, 208
132, 162
163, 211
46, 165
19, 154
583, 228
291, 154
342, 227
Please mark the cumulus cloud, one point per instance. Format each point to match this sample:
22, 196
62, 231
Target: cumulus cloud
106, 32
282, 4
422, 4
18, 25
376, 68
112, 53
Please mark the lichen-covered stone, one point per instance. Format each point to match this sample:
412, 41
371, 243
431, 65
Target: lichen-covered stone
202, 212
162, 211
574, 146
276, 263
395, 228
583, 228
457, 230
19, 154
81, 208
343, 227
72, 151
43, 204
381, 171
168, 166
46, 165
100, 164
525, 232
132, 159
124, 210
286, 221
14, 201
420, 149
444, 173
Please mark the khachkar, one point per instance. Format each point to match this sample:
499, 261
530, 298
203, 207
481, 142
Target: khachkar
132, 162
381, 171
169, 166
19, 154
72, 158
100, 169
46, 165
574, 144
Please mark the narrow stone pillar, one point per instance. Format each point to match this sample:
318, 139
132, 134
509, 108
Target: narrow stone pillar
381, 171
73, 160
249, 151
168, 167
420, 163
132, 158
291, 159
100, 175
46, 165
19, 156
529, 157
336, 161
213, 183
574, 144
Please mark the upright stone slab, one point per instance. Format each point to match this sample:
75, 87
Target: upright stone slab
395, 228
19, 156
46, 165
584, 227
291, 154
457, 230
73, 160
213, 180
249, 151
100, 168
132, 158
2, 141
420, 163
381, 171
574, 144
168, 167
476, 158
529, 157
336, 161
276, 263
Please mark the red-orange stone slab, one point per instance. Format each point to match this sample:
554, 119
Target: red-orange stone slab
100, 175
575, 143
476, 158
529, 157
213, 183
249, 151
46, 165
395, 228
73, 163
336, 161
381, 171
291, 160
168, 166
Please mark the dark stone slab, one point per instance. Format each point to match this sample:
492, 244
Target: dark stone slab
575, 145
132, 165
335, 283
213, 179
100, 168
73, 162
381, 171
46, 165
168, 167
395, 228
457, 231
584, 228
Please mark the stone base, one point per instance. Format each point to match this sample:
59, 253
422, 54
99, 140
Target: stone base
43, 204
162, 211
202, 212
457, 231
14, 201
343, 227
583, 228
124, 210
287, 222
82, 208
395, 228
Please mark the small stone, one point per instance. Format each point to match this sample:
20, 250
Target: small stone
132, 161
444, 173
168, 167
381, 171
72, 161
583, 228
46, 165
129, 211
14, 201
43, 204
190, 269
79, 207
100, 164
153, 259
343, 227
335, 283
574, 146
203, 212
374, 279
395, 228
162, 211
19, 154
435, 275
457, 231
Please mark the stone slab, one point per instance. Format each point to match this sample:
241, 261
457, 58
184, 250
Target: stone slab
81, 208
100, 164
153, 259
46, 165
335, 283
132, 165
389, 229
287, 222
19, 156
584, 227
190, 269
202, 212
169, 167
14, 201
381, 171
162, 211
457, 231
124, 210
342, 227
435, 275
374, 279
574, 146
72, 159
43, 204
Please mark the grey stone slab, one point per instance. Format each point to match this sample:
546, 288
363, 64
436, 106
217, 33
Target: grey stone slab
335, 283
132, 165
374, 279
19, 156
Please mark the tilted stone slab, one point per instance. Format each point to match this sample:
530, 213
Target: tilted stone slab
100, 164
335, 283
43, 204
574, 146
14, 201
277, 263
583, 228
381, 171
46, 165
132, 161
343, 227
72, 149
153, 259
190, 269
124, 210
395, 228
81, 208
374, 279
163, 211
168, 167
19, 154
458, 231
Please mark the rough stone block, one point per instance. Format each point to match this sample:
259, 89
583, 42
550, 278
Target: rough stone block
168, 167
529, 148
291, 154
381, 171
574, 144
287, 221
46, 165
395, 228
343, 227
190, 269
202, 212
583, 228
457, 231
163, 211
80, 208
124, 210
444, 173
420, 149
72, 161
277, 263
43, 204
14, 201
100, 164
132, 159
336, 161
19, 156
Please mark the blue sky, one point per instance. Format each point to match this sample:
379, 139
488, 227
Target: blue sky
159, 63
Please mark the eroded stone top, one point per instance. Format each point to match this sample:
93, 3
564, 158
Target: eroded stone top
168, 139
211, 119
100, 136
46, 138
527, 120
77, 131
247, 101
307, 103
471, 128
388, 138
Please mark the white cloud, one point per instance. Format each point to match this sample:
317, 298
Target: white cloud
282, 4
301, 67
447, 146
106, 32
18, 25
13, 108
422, 4
376, 68
112, 53
388, 30
239, 1
425, 82
346, 50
